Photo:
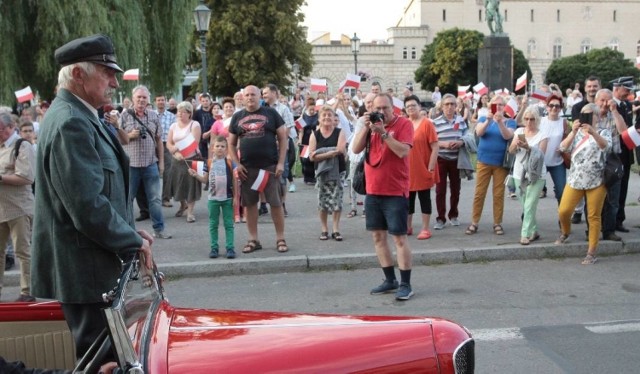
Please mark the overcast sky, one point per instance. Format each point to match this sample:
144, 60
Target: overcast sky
370, 19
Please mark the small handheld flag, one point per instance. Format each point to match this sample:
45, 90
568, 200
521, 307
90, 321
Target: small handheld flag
24, 94
521, 82
187, 146
261, 181
131, 75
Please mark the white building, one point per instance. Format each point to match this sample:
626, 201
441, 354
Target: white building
543, 30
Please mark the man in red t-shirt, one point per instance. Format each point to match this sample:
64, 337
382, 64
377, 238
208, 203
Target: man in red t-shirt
387, 183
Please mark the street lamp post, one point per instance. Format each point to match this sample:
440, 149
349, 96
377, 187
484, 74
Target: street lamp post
296, 70
355, 49
202, 16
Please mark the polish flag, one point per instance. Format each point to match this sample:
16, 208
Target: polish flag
198, 166
511, 108
398, 105
462, 90
342, 85
469, 95
502, 92
353, 80
131, 75
319, 85
319, 104
481, 89
187, 146
261, 181
304, 153
24, 94
631, 138
540, 95
300, 123
521, 82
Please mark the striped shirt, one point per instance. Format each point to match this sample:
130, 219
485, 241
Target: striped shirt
449, 131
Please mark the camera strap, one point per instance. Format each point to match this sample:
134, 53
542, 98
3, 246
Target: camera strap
133, 114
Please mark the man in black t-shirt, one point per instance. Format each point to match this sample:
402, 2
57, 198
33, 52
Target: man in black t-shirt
263, 146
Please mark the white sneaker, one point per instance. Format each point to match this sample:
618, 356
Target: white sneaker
292, 187
439, 225
454, 222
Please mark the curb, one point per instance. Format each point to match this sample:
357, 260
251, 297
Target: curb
445, 256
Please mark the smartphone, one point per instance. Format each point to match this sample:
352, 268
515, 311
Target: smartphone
522, 137
494, 108
586, 118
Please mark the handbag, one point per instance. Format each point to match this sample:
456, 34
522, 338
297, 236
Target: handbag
359, 183
509, 159
613, 169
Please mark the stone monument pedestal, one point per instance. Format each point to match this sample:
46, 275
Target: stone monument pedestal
495, 63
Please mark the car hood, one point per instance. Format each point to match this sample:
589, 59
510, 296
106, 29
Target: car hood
209, 341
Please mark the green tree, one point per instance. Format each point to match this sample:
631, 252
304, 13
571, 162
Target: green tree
151, 35
452, 60
255, 43
605, 63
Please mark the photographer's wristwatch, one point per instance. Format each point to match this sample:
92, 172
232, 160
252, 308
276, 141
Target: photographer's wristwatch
384, 136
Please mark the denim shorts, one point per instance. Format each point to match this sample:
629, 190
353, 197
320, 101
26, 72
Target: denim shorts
387, 213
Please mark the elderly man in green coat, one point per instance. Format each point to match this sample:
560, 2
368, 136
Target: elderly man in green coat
83, 225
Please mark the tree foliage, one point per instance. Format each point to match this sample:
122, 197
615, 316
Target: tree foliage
151, 35
255, 43
452, 60
604, 63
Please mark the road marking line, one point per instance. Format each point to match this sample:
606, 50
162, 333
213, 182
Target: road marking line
511, 333
614, 328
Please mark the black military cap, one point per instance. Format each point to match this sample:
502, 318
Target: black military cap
95, 48
626, 82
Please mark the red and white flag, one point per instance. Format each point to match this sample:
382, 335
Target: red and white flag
300, 123
187, 146
131, 75
502, 92
398, 105
24, 94
198, 166
305, 153
319, 104
462, 90
511, 109
540, 95
342, 85
318, 85
631, 138
521, 82
261, 181
481, 89
353, 80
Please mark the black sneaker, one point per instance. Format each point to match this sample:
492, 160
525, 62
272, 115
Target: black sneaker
263, 210
142, 217
231, 253
9, 262
214, 253
576, 218
386, 286
404, 292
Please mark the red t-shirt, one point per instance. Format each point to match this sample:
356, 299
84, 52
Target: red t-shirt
391, 176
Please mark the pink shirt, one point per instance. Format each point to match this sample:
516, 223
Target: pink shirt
221, 127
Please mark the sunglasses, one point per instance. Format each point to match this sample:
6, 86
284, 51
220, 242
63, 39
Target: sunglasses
529, 119
557, 106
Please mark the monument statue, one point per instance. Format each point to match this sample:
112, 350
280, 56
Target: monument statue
493, 16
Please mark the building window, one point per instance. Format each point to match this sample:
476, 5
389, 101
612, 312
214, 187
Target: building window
615, 16
532, 85
614, 44
506, 15
585, 46
638, 48
558, 15
532, 18
479, 15
413, 53
531, 48
404, 53
444, 15
557, 48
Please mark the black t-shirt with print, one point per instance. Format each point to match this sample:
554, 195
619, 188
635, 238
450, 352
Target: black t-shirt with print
257, 136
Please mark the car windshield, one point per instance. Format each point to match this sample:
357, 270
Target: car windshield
138, 292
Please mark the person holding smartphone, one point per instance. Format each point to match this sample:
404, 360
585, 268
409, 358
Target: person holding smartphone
529, 144
494, 131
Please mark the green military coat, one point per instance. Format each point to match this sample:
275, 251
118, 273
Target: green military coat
83, 222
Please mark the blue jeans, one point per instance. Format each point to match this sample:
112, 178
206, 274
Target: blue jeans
558, 175
150, 178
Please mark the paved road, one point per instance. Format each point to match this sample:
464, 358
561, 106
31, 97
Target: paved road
187, 253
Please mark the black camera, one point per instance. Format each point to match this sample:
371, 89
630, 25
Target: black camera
586, 118
143, 132
376, 117
636, 102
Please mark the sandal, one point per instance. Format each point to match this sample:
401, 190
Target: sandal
525, 241
252, 245
352, 213
336, 236
534, 237
181, 211
324, 235
561, 239
497, 229
472, 229
282, 246
589, 260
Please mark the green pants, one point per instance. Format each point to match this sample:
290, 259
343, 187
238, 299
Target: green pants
226, 207
529, 202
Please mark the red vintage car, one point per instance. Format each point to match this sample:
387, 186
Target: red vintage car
149, 335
